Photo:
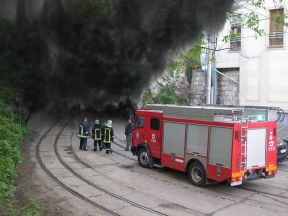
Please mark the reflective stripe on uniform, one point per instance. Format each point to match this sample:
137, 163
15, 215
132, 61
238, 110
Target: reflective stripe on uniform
107, 135
82, 136
97, 137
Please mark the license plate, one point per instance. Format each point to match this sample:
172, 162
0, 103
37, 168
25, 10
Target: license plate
236, 183
283, 150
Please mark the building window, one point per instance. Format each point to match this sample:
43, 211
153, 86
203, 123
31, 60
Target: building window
235, 33
155, 124
276, 28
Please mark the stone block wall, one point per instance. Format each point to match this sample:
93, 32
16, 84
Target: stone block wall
198, 86
228, 91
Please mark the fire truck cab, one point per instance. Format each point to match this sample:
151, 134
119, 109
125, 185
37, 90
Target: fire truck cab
210, 143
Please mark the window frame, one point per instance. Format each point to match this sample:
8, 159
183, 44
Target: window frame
237, 42
137, 124
275, 34
152, 125
235, 28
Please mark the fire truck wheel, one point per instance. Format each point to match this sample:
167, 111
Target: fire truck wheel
144, 158
197, 174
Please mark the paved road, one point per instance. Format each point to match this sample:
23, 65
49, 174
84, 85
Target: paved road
119, 184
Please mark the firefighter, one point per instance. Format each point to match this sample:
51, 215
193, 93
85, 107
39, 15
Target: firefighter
102, 126
83, 134
128, 133
108, 136
97, 135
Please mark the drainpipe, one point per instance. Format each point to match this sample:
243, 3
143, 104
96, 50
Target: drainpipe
209, 72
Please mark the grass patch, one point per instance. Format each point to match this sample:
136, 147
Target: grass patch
32, 208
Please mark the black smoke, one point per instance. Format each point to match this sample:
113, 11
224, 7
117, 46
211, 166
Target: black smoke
106, 52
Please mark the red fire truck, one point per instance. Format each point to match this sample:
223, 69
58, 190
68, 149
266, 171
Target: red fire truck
222, 144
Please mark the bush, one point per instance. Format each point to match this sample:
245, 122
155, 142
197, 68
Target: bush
11, 135
7, 175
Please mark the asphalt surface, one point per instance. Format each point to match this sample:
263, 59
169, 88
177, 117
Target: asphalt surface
115, 184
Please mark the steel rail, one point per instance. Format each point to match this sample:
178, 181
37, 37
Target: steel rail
99, 187
262, 192
54, 178
241, 187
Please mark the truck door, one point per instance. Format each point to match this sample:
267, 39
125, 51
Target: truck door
173, 145
154, 138
220, 149
138, 136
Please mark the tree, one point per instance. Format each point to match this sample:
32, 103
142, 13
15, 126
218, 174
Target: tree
88, 9
147, 97
167, 95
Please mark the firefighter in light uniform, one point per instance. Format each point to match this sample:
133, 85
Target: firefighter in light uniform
108, 136
97, 135
83, 134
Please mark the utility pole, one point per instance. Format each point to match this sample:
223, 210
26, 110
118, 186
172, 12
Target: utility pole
209, 72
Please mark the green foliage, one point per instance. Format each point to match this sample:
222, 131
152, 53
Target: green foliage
253, 22
11, 135
257, 3
33, 208
167, 95
193, 58
7, 174
147, 97
188, 74
10, 138
12, 66
87, 10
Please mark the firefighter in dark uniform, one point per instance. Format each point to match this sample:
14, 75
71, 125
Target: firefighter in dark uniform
97, 135
83, 134
108, 136
102, 126
128, 133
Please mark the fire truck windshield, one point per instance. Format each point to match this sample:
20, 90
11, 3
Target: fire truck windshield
139, 122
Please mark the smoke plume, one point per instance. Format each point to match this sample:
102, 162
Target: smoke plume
102, 52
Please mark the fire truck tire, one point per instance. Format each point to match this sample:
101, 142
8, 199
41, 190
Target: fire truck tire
144, 158
197, 174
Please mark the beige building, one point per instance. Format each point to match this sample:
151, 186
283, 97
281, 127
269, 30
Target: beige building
260, 64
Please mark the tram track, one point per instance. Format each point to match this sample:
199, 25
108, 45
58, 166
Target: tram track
134, 168
86, 199
57, 180
263, 192
254, 192
93, 168
121, 198
242, 187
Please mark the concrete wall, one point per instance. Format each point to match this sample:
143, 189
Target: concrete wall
263, 70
